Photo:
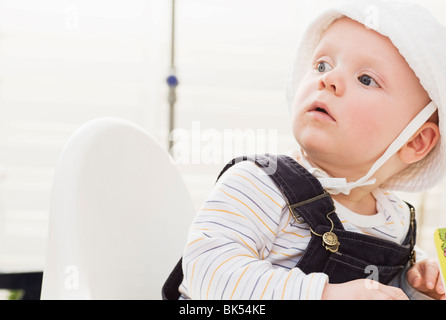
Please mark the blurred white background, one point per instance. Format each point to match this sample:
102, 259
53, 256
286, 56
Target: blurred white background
64, 62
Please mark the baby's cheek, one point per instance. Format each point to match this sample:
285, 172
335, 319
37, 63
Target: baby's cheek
373, 134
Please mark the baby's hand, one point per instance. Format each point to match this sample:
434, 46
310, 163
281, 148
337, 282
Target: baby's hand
425, 277
362, 289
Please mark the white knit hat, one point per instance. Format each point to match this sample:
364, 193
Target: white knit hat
421, 40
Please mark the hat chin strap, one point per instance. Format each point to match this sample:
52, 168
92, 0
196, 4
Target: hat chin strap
340, 185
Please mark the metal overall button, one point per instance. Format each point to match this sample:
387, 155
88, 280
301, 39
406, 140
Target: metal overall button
329, 239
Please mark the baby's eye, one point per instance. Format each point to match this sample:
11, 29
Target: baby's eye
323, 66
368, 81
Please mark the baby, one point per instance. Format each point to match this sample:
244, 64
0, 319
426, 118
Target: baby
367, 115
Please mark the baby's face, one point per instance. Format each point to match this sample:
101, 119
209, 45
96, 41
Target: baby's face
356, 97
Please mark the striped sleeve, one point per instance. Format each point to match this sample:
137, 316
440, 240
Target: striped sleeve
232, 244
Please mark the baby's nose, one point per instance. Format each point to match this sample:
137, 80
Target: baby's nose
333, 82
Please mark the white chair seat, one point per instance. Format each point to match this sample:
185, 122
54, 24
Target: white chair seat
119, 215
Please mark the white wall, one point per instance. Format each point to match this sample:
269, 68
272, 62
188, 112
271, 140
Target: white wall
63, 63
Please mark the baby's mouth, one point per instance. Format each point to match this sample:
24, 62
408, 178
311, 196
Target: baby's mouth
321, 110
320, 107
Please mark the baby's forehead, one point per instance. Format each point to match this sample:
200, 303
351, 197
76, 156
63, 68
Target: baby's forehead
346, 34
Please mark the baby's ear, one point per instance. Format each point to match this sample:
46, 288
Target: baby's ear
420, 144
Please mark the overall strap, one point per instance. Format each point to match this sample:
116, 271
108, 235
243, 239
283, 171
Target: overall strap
411, 235
306, 198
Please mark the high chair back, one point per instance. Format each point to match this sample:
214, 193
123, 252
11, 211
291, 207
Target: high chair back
119, 215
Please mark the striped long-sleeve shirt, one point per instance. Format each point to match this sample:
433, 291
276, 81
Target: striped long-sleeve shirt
244, 243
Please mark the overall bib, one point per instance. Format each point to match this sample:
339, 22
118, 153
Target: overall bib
341, 254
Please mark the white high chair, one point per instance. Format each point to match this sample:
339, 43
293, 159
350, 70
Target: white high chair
119, 215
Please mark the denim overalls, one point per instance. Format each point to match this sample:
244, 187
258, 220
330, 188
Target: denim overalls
341, 254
